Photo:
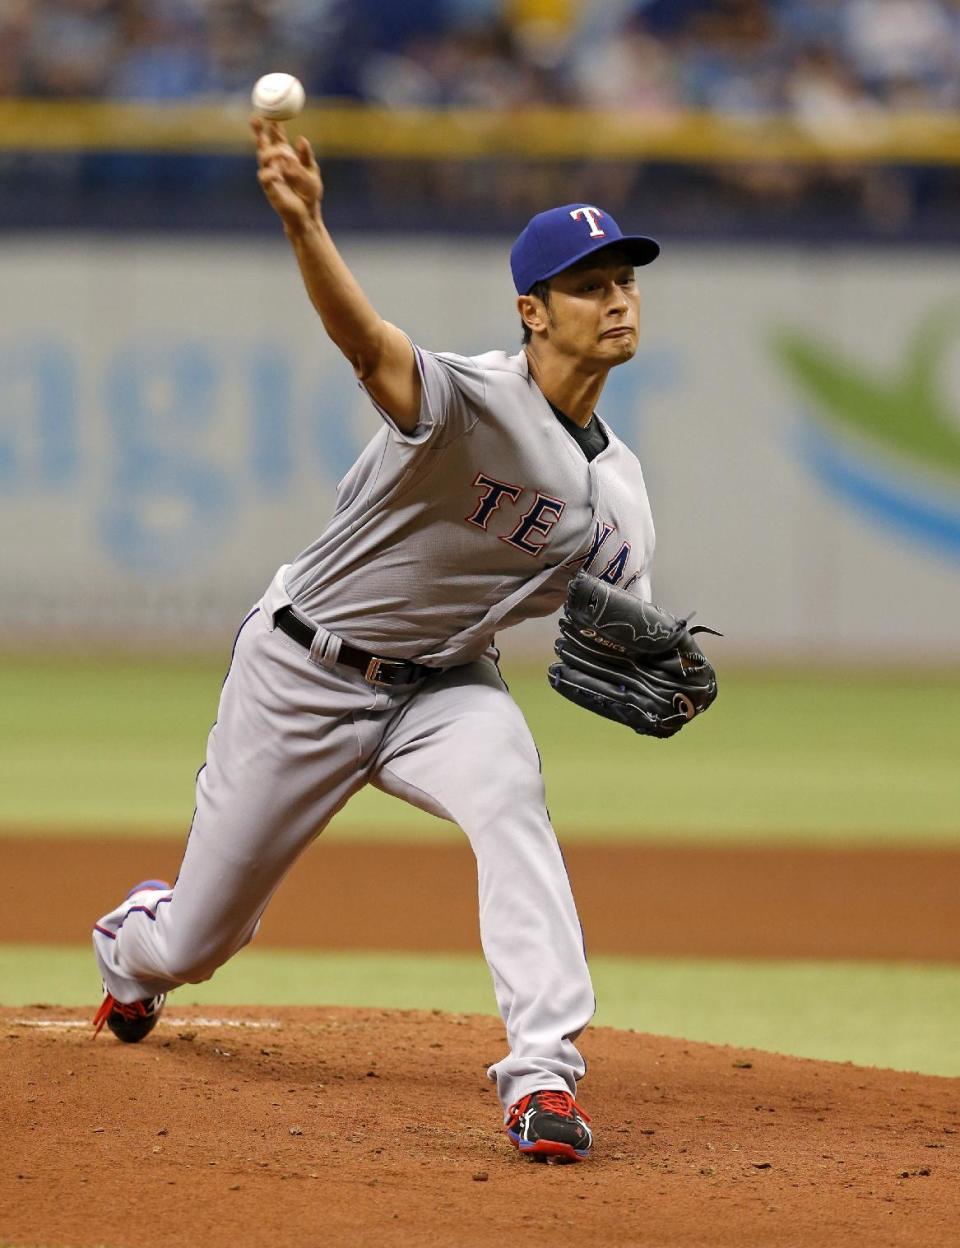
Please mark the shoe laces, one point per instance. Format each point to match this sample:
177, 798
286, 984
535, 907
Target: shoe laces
110, 1005
550, 1101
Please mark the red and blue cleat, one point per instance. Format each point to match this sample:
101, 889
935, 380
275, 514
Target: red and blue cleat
549, 1126
130, 1022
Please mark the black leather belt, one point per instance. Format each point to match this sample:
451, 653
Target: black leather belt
376, 671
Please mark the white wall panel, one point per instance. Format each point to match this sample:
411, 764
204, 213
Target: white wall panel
173, 424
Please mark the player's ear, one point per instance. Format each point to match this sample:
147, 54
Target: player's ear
532, 312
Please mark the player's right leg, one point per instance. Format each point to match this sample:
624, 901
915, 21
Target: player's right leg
281, 760
462, 749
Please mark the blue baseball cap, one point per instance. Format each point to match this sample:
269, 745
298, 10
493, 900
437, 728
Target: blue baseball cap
555, 239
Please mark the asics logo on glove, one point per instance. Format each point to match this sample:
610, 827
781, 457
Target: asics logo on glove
602, 641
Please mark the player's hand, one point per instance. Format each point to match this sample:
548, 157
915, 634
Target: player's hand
289, 176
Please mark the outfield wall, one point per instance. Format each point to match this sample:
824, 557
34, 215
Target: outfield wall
173, 424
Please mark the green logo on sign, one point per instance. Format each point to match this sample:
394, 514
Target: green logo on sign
886, 441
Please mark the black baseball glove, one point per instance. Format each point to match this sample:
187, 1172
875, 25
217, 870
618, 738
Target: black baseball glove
629, 660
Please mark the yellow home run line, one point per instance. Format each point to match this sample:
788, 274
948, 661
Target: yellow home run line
533, 134
65, 1023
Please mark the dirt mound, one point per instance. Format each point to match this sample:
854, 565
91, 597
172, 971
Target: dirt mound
273, 1128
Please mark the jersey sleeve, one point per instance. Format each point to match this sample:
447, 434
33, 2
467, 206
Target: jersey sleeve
453, 390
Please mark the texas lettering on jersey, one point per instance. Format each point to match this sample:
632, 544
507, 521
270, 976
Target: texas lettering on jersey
616, 566
531, 533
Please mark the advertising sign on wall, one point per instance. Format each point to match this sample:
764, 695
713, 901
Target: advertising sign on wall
173, 424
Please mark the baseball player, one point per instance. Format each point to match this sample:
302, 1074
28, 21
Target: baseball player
370, 659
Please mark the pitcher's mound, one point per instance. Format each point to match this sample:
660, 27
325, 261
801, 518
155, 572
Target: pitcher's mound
268, 1128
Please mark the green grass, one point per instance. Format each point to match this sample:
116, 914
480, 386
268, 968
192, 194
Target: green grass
106, 746
876, 1014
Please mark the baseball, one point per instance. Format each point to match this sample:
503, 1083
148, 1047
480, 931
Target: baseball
278, 96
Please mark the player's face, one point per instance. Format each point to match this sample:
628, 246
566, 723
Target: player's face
594, 310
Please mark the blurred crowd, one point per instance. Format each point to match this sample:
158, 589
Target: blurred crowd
810, 58
832, 66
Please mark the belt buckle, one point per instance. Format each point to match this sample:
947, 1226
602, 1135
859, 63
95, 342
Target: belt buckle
374, 675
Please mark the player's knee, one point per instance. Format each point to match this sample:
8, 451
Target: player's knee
188, 968
510, 789
581, 1006
195, 962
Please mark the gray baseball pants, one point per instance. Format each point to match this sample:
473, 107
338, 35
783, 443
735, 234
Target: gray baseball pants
293, 740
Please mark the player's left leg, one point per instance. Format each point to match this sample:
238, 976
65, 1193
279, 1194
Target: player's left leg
286, 751
462, 749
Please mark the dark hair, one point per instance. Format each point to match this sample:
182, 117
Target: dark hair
540, 290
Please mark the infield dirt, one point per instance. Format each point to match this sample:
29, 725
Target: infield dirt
356, 1127
269, 1128
689, 900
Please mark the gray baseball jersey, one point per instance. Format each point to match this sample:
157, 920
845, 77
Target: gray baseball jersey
473, 522
476, 520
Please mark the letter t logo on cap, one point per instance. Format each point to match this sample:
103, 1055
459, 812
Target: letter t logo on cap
591, 215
